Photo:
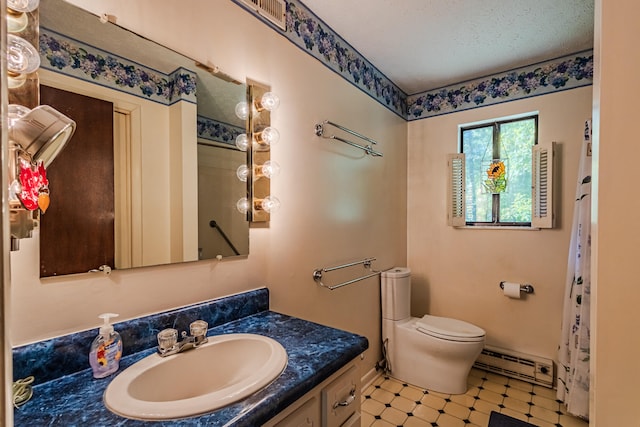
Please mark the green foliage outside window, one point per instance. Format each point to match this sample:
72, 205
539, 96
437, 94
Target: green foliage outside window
498, 171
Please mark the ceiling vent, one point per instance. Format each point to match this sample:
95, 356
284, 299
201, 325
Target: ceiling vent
273, 10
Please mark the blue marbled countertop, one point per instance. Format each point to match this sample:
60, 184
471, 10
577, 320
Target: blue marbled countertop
315, 352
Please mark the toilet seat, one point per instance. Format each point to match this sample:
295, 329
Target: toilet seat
449, 329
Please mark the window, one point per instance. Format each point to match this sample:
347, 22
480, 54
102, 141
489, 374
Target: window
501, 177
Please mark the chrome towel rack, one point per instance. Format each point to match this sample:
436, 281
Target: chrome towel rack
317, 273
320, 128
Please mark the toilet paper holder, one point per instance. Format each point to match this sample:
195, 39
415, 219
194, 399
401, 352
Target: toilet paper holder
526, 288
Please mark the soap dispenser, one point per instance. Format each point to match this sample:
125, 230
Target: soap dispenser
106, 349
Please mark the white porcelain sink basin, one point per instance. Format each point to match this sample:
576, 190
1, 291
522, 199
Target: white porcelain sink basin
224, 370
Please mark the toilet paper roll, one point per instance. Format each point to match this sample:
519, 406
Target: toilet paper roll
511, 290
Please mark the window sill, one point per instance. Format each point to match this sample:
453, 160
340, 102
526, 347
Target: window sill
498, 227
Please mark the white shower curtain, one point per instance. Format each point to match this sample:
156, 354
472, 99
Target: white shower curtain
574, 351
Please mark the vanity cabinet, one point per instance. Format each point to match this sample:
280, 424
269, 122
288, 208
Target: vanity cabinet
305, 415
320, 361
333, 403
341, 399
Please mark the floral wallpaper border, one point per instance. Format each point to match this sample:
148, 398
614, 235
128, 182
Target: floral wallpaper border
313, 36
73, 58
567, 72
316, 38
213, 130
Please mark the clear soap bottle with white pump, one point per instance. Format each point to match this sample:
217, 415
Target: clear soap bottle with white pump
106, 349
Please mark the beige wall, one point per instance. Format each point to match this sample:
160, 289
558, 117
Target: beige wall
616, 230
456, 272
312, 231
217, 181
337, 204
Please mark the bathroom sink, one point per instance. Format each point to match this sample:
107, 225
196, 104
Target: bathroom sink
224, 370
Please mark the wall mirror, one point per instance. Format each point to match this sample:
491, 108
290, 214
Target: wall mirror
172, 157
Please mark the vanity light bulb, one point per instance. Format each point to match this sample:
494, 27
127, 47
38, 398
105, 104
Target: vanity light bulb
15, 81
242, 142
243, 205
14, 190
270, 204
15, 112
242, 173
242, 110
270, 169
270, 135
16, 21
23, 5
270, 101
22, 57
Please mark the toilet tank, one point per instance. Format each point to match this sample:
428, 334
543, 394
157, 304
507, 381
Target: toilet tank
396, 293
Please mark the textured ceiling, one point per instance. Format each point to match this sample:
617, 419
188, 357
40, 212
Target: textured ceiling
426, 44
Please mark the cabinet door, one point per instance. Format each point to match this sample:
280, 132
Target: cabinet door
307, 415
341, 399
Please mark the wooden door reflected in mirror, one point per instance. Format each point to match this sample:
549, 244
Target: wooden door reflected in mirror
77, 231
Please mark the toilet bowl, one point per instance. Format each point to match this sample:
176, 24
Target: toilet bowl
431, 352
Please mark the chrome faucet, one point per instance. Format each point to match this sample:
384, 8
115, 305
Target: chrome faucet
168, 343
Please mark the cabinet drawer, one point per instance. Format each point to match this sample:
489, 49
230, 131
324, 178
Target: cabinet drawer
341, 398
306, 415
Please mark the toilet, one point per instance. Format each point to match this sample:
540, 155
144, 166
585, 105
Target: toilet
435, 353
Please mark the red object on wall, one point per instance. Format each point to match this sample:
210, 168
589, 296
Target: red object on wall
33, 180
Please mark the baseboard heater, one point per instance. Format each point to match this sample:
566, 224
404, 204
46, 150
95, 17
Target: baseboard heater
533, 369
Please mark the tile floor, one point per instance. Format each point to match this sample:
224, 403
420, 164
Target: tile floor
387, 402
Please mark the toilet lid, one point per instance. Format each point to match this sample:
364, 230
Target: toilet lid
449, 329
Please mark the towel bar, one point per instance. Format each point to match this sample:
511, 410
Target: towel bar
367, 148
317, 273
